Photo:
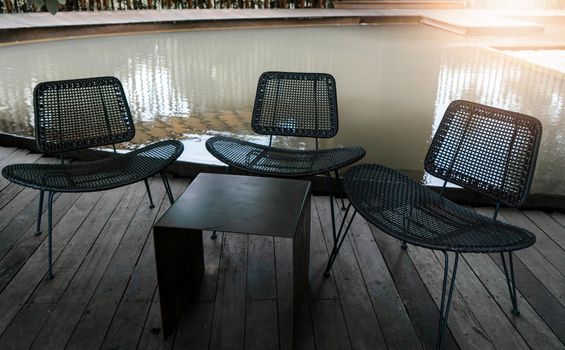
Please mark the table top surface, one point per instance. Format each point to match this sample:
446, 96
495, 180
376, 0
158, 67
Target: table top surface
241, 204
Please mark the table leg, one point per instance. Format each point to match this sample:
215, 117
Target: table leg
179, 257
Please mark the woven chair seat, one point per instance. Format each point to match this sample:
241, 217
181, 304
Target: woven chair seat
411, 212
105, 174
267, 160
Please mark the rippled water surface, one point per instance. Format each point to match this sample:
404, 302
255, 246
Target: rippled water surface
393, 85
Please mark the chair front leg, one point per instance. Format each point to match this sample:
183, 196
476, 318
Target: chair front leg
446, 305
39, 213
50, 233
510, 282
339, 188
151, 205
338, 242
167, 187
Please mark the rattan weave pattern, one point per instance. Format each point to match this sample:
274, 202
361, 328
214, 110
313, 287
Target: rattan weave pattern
405, 209
487, 150
81, 113
105, 174
268, 160
295, 104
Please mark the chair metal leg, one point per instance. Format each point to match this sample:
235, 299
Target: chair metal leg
50, 233
339, 239
445, 306
151, 205
39, 213
510, 282
167, 187
339, 188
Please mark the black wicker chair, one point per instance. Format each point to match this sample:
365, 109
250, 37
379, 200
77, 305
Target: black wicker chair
290, 104
488, 150
77, 114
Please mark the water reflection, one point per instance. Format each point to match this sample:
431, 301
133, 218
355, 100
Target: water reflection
393, 85
497, 79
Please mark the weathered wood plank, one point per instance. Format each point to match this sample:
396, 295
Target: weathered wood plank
212, 253
320, 286
101, 307
28, 242
25, 198
19, 197
17, 337
92, 268
74, 252
193, 331
18, 156
73, 282
560, 219
362, 324
136, 301
228, 323
541, 299
151, 337
416, 298
466, 329
329, 325
10, 191
16, 293
395, 323
487, 312
545, 272
544, 244
302, 333
549, 224
530, 325
261, 326
261, 280
6, 151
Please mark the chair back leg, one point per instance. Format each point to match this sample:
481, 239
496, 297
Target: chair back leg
510, 281
338, 241
446, 304
339, 189
50, 233
167, 187
39, 213
151, 205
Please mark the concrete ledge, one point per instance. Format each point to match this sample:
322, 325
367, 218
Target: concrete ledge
65, 32
398, 4
29, 27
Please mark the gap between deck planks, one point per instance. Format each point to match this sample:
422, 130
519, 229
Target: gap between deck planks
105, 292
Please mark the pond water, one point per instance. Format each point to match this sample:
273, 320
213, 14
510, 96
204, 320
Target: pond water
393, 85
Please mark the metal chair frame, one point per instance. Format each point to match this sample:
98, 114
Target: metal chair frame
297, 105
443, 160
59, 108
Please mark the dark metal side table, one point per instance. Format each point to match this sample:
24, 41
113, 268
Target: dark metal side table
239, 204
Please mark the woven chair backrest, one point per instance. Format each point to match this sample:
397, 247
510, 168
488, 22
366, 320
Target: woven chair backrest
485, 149
295, 104
82, 113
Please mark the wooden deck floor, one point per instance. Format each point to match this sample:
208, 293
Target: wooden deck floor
105, 292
